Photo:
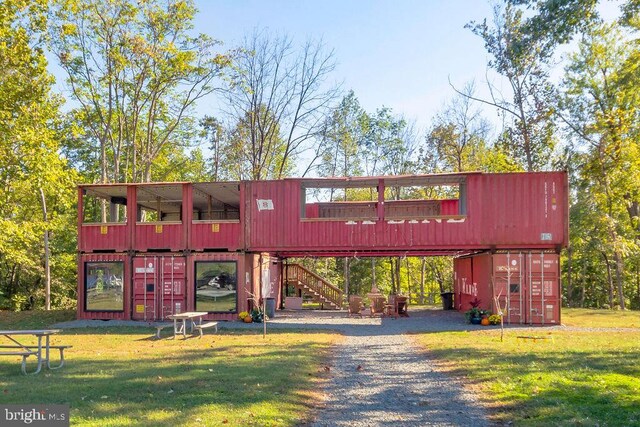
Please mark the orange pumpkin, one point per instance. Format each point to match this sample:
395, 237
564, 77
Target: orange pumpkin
248, 319
484, 322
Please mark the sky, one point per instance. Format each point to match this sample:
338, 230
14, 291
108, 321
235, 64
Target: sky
394, 53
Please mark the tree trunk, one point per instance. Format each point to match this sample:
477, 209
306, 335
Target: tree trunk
346, 276
617, 257
569, 278
609, 279
423, 267
408, 278
393, 278
47, 267
373, 273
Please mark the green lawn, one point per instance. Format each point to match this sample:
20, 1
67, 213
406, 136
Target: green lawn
600, 318
572, 378
124, 376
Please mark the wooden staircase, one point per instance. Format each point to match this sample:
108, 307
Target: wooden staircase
311, 284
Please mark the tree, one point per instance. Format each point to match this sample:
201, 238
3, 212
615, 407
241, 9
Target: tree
136, 73
340, 139
34, 177
279, 97
603, 113
521, 60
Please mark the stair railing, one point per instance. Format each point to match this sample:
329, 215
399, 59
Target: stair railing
315, 283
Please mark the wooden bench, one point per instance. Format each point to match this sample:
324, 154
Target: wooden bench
202, 326
26, 352
161, 326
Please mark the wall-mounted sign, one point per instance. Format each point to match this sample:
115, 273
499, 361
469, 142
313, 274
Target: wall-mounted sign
265, 204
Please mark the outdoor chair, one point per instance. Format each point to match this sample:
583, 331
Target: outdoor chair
377, 306
401, 305
355, 305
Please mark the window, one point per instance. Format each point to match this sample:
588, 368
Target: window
216, 286
103, 286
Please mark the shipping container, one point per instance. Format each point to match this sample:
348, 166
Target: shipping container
525, 284
490, 211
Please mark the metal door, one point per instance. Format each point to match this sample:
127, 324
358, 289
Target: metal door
543, 302
508, 285
158, 286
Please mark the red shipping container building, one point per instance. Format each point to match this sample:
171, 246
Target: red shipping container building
149, 250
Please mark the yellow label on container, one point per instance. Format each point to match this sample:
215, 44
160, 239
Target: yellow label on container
139, 308
104, 229
159, 228
215, 228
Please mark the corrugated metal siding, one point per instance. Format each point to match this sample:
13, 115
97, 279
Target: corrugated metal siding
126, 313
158, 236
530, 293
215, 235
100, 237
503, 211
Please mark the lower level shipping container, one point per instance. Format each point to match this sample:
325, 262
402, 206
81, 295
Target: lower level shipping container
152, 286
525, 284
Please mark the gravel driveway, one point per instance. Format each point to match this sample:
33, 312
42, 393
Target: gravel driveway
378, 376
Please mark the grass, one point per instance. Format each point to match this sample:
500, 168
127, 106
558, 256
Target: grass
572, 378
600, 318
122, 376
33, 319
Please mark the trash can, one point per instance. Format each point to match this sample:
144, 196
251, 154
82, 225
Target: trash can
447, 300
271, 307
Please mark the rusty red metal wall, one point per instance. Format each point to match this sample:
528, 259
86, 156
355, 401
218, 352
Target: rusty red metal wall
462, 283
102, 237
504, 211
159, 286
525, 283
111, 257
216, 235
154, 236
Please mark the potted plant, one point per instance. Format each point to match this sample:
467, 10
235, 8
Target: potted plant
245, 317
257, 316
474, 315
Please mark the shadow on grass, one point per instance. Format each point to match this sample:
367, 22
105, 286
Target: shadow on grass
576, 380
171, 384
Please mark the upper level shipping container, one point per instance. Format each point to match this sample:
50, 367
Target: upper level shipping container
443, 213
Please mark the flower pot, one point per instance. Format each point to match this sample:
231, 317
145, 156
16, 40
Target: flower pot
475, 320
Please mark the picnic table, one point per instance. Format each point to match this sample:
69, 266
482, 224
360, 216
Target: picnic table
191, 318
41, 351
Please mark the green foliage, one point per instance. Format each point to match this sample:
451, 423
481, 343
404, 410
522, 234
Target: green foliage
136, 72
31, 163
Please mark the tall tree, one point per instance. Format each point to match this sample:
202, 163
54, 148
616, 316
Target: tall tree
522, 61
603, 114
136, 73
34, 177
280, 96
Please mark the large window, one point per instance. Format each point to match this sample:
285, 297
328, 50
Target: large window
103, 286
216, 286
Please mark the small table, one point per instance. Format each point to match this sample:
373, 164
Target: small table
20, 349
193, 317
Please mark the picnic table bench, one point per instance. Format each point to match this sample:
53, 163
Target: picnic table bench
41, 351
181, 320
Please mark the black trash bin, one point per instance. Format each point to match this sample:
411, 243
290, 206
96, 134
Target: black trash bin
447, 300
271, 307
